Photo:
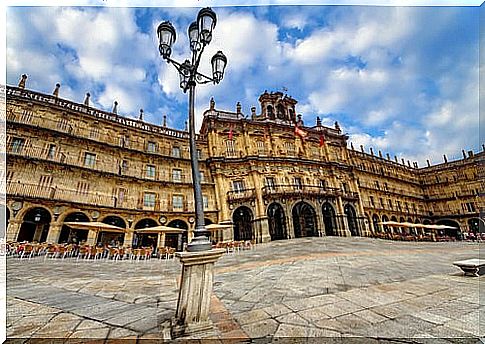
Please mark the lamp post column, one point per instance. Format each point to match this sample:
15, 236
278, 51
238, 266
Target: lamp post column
200, 242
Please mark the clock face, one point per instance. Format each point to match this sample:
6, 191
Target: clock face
95, 214
162, 219
17, 206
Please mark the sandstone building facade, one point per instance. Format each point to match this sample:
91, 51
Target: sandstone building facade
265, 174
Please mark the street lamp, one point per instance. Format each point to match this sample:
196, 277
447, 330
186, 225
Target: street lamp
200, 35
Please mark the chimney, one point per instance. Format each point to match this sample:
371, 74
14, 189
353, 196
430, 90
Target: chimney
22, 81
371, 151
56, 90
115, 108
427, 161
444, 158
86, 100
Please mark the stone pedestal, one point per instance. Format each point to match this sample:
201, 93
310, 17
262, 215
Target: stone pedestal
193, 304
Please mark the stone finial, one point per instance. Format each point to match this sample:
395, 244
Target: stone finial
319, 122
351, 146
253, 112
164, 120
86, 100
445, 158
186, 128
416, 164
395, 158
337, 126
409, 163
212, 103
380, 154
427, 162
470, 154
403, 162
362, 148
388, 156
22, 81
238, 108
56, 90
140, 117
115, 108
371, 151
483, 147
464, 154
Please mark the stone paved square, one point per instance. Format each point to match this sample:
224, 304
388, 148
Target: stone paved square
333, 288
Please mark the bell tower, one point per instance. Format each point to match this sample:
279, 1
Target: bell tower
277, 107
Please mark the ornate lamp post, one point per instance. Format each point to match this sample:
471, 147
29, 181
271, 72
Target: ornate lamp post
193, 303
200, 35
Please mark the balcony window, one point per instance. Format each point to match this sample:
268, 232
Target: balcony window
17, 145
51, 153
178, 202
297, 183
270, 183
261, 147
150, 171
238, 186
205, 201
290, 148
151, 147
89, 159
176, 175
322, 184
230, 150
149, 200
202, 177
176, 152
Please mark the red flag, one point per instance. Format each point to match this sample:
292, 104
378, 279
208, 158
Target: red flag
300, 132
322, 140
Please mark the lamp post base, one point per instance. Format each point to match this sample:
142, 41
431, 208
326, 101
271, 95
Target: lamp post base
193, 306
198, 244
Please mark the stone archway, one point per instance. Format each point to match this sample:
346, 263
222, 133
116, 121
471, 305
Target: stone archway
242, 219
145, 239
112, 238
453, 231
329, 219
304, 220
277, 222
375, 223
73, 235
35, 225
177, 240
475, 225
351, 219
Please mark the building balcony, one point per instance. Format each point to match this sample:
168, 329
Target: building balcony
297, 190
241, 195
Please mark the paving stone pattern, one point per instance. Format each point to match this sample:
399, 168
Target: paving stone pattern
336, 289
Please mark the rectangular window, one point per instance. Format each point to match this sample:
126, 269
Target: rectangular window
121, 196
124, 141
322, 183
17, 145
176, 152
390, 203
176, 175
297, 183
398, 205
377, 185
45, 181
371, 200
202, 177
230, 150
149, 200
177, 202
82, 188
150, 171
205, 200
89, 159
261, 147
123, 166
199, 154
238, 185
94, 133
151, 147
345, 187
51, 153
270, 183
290, 148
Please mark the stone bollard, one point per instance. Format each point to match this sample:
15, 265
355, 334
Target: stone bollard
193, 306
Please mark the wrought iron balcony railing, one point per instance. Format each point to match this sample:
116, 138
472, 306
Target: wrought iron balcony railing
241, 195
300, 190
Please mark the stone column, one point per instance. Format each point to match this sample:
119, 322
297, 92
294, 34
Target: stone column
54, 233
192, 315
13, 230
128, 240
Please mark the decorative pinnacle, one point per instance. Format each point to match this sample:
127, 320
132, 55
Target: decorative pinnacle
56, 90
86, 100
115, 108
22, 81
141, 115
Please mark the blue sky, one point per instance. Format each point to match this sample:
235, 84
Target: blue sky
403, 80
